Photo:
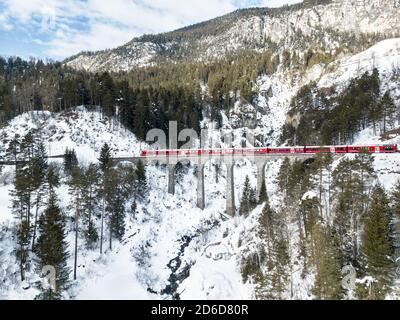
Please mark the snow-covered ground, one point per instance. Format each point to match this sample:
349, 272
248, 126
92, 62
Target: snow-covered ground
84, 131
385, 56
154, 236
169, 232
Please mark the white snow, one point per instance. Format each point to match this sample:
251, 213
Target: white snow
385, 56
160, 228
309, 195
82, 130
117, 280
5, 211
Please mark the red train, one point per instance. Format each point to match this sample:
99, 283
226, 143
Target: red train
260, 151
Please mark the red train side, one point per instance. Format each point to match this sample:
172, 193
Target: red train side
284, 150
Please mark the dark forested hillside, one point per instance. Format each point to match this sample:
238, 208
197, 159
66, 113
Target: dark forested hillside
329, 117
141, 99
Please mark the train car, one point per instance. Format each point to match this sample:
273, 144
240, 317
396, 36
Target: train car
388, 148
299, 150
249, 152
160, 152
213, 152
279, 150
261, 151
340, 149
189, 152
359, 149
317, 149
229, 152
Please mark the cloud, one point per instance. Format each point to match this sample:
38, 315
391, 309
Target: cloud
64, 28
100, 36
4, 23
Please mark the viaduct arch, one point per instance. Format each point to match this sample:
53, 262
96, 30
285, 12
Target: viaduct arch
229, 161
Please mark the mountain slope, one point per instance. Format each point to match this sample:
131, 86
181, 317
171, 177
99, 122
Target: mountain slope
333, 27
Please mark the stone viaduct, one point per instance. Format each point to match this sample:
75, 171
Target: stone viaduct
229, 160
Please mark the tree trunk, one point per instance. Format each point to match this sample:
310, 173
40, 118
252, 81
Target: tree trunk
28, 211
76, 235
384, 123
36, 216
90, 205
102, 228
374, 126
90, 212
110, 232
329, 195
320, 191
22, 264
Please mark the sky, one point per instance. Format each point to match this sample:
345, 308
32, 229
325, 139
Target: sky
56, 29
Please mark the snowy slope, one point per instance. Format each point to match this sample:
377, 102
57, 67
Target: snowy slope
84, 131
385, 56
169, 236
159, 227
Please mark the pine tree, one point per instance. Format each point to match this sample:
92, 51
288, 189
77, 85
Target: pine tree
342, 230
342, 176
52, 248
272, 278
38, 182
129, 186
377, 246
53, 179
217, 172
91, 186
262, 284
388, 110
28, 146
281, 261
2, 158
321, 163
20, 207
248, 201
352, 178
283, 176
22, 249
396, 199
105, 166
310, 214
115, 205
141, 185
70, 161
105, 158
364, 167
263, 197
265, 223
327, 285
13, 150
27, 169
253, 198
76, 189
